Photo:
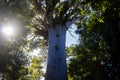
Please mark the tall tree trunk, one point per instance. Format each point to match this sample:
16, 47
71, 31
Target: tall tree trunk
56, 65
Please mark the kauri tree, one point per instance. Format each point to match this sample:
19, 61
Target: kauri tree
53, 18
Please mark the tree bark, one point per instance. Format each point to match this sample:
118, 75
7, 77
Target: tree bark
56, 64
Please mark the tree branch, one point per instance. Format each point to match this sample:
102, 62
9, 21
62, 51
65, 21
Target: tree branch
43, 23
38, 6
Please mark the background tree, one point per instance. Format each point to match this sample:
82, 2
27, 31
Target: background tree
13, 60
97, 55
35, 68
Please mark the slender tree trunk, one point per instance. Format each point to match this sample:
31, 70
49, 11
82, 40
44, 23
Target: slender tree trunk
56, 65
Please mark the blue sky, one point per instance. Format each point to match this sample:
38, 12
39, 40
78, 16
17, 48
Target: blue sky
71, 39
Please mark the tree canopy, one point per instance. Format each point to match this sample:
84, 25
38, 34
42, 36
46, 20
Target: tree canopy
97, 56
13, 60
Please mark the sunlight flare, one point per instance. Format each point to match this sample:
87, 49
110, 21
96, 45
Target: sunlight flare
8, 30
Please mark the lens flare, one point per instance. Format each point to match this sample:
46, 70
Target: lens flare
8, 30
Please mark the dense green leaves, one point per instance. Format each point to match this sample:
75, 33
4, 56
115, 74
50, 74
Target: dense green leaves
13, 60
35, 68
97, 56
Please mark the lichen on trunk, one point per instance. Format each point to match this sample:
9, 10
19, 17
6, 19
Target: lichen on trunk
56, 65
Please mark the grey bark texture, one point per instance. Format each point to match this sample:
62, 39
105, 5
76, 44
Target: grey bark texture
56, 65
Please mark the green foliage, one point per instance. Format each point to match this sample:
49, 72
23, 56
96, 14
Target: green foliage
12, 63
35, 68
51, 13
97, 56
85, 64
13, 60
